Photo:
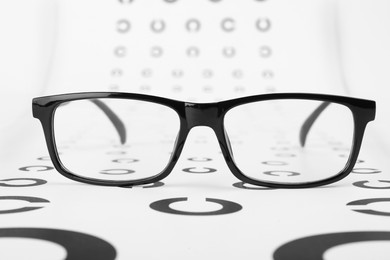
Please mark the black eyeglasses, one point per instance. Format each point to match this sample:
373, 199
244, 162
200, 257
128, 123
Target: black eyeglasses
285, 140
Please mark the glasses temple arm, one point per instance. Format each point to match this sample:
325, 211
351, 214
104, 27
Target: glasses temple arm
305, 128
115, 120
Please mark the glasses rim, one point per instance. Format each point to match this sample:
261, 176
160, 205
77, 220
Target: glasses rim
193, 114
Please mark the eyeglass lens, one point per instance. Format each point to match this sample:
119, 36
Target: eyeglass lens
269, 147
134, 142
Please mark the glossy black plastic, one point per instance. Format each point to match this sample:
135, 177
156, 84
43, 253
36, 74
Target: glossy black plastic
205, 114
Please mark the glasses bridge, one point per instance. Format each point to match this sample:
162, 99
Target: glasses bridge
202, 114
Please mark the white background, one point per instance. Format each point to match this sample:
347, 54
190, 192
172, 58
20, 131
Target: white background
48, 47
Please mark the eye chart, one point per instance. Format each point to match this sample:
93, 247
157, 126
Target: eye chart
201, 51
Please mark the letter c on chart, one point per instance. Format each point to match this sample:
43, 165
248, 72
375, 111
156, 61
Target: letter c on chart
193, 170
363, 184
365, 202
36, 168
77, 245
319, 244
35, 182
22, 198
227, 207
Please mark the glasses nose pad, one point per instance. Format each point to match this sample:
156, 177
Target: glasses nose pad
229, 146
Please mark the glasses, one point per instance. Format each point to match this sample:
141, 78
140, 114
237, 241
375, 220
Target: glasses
284, 140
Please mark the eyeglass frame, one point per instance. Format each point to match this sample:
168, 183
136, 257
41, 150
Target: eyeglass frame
210, 115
